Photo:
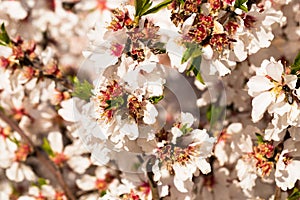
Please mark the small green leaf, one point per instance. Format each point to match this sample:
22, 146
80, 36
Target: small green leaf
184, 129
158, 7
42, 181
155, 99
141, 6
259, 138
14, 140
296, 65
138, 4
4, 38
213, 114
241, 5
136, 166
187, 55
82, 90
115, 103
244, 8
195, 68
295, 195
47, 148
192, 51
103, 193
199, 78
239, 2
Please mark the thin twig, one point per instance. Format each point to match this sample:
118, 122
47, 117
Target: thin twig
41, 155
152, 183
277, 193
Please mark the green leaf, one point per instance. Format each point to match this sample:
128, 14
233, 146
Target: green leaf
14, 140
40, 182
115, 103
213, 114
184, 129
296, 65
239, 2
4, 38
241, 5
195, 68
141, 6
158, 7
102, 193
47, 148
192, 51
187, 55
244, 8
199, 77
138, 4
155, 99
259, 138
295, 195
82, 90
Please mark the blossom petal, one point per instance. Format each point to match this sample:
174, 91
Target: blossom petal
55, 141
260, 104
258, 84
204, 166
79, 164
14, 173
150, 114
275, 70
86, 183
130, 129
5, 51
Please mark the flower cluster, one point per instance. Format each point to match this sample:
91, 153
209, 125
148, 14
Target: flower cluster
149, 99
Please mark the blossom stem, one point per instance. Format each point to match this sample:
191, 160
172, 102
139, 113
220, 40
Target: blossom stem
40, 154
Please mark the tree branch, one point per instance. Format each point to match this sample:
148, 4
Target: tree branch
277, 193
41, 155
152, 183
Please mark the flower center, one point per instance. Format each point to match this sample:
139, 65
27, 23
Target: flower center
130, 196
101, 185
22, 152
171, 154
5, 132
59, 159
263, 154
109, 100
287, 159
101, 5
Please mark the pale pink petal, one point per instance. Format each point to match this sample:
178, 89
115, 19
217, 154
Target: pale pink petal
79, 164
260, 104
100, 172
5, 51
150, 114
179, 184
55, 141
258, 84
28, 173
14, 173
275, 70
86, 183
291, 80
204, 166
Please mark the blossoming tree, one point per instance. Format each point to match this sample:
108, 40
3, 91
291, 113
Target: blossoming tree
149, 99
